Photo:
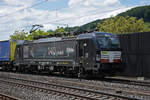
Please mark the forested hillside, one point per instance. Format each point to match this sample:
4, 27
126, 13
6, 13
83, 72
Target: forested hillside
138, 12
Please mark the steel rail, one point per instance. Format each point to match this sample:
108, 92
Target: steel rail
118, 91
7, 97
68, 87
128, 81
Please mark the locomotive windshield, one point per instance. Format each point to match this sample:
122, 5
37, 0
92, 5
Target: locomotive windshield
106, 42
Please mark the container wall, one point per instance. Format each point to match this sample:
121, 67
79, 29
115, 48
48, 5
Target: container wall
136, 54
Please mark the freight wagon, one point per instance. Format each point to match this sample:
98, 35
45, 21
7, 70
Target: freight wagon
7, 51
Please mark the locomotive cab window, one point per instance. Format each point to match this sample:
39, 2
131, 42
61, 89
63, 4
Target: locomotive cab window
106, 42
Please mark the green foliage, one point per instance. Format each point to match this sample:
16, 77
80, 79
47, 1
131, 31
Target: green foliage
123, 25
22, 35
34, 34
60, 32
72, 29
92, 25
87, 27
19, 35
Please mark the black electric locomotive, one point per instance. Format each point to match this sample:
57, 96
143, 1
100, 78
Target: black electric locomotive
95, 53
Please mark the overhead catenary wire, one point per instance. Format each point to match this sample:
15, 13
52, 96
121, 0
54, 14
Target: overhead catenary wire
94, 13
77, 17
60, 20
54, 21
81, 16
43, 1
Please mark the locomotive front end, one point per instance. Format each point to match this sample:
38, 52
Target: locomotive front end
108, 54
109, 49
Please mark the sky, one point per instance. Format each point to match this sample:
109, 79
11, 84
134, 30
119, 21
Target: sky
22, 14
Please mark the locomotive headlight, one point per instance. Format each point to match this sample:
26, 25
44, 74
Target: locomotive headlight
84, 44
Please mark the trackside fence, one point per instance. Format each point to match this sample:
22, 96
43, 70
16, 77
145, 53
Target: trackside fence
136, 54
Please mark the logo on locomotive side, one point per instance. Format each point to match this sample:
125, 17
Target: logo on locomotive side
51, 51
69, 50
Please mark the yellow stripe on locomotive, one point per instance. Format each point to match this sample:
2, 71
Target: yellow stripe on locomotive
12, 50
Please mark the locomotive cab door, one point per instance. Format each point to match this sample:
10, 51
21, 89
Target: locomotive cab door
18, 53
86, 53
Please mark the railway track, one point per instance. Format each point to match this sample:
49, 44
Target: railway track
115, 80
69, 91
7, 97
127, 81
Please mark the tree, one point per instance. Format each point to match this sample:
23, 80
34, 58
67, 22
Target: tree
19, 35
120, 24
22, 35
39, 33
60, 32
